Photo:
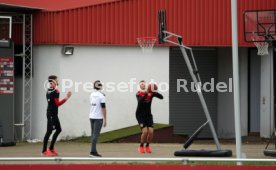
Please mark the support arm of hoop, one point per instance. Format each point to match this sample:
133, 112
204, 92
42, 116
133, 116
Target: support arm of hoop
180, 44
196, 78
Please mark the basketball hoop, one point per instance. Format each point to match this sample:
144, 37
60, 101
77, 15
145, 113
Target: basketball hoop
146, 43
262, 48
261, 45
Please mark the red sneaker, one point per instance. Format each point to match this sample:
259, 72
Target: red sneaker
46, 153
141, 149
53, 152
148, 150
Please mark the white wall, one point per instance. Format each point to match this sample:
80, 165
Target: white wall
226, 123
90, 63
266, 100
243, 66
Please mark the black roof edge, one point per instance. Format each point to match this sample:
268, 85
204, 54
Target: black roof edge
18, 8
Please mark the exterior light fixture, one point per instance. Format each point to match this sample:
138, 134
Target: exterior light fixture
68, 50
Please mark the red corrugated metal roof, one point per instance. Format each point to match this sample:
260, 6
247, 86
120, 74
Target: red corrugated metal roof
55, 5
200, 22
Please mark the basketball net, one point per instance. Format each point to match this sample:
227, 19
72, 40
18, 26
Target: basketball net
146, 43
261, 46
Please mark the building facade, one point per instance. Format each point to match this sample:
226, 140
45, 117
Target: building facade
104, 39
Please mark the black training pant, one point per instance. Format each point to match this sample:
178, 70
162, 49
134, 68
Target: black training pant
52, 124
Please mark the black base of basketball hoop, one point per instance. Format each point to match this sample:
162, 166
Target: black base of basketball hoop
204, 153
268, 152
271, 152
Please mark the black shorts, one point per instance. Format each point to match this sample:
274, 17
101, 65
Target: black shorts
53, 121
144, 120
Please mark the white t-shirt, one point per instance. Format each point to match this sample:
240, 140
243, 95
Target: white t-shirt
96, 98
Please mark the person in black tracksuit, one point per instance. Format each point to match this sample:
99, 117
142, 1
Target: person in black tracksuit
144, 116
53, 123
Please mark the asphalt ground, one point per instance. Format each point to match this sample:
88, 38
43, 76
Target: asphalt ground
129, 150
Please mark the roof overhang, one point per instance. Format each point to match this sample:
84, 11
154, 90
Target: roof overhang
18, 8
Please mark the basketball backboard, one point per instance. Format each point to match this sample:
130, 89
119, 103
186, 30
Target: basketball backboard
260, 25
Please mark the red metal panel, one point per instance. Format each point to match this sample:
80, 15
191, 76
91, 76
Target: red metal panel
200, 22
94, 25
75, 34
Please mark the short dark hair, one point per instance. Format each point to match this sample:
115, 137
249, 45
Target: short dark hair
97, 85
51, 78
142, 81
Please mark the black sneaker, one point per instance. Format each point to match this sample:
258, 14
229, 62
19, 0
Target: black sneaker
95, 154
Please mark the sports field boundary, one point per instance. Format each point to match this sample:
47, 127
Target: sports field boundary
184, 161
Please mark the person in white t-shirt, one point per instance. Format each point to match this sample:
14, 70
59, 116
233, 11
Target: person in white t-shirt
97, 116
